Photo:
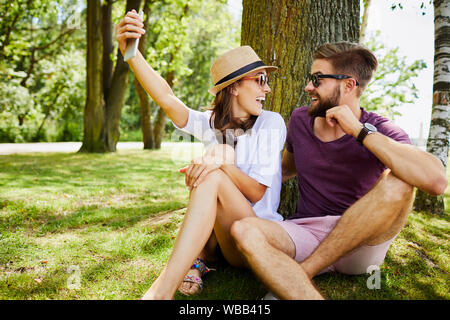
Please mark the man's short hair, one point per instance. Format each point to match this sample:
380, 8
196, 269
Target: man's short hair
349, 58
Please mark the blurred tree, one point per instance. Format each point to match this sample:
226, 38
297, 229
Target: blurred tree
393, 82
439, 136
292, 31
105, 87
144, 99
27, 44
183, 38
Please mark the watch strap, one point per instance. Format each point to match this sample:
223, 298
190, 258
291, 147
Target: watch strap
362, 134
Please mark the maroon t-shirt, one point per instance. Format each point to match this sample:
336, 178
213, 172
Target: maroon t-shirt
334, 175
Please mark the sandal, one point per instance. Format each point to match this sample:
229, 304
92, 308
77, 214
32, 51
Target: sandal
200, 265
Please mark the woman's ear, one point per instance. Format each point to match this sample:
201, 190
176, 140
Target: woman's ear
233, 90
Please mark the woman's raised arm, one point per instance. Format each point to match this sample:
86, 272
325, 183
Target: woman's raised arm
131, 27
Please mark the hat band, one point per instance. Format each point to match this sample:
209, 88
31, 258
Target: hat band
240, 71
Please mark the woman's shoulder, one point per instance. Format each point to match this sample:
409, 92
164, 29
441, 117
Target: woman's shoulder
271, 118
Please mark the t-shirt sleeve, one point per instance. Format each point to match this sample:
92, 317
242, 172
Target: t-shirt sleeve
197, 125
266, 163
289, 135
391, 130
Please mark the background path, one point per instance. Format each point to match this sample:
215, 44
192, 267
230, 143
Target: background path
11, 148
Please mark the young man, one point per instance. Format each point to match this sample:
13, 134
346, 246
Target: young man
356, 172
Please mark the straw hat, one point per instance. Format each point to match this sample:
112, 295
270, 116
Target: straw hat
233, 65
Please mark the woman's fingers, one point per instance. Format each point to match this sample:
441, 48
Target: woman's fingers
131, 21
188, 175
201, 177
183, 170
133, 14
196, 172
129, 28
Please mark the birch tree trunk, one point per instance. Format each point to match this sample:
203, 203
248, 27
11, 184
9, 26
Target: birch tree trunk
439, 136
285, 33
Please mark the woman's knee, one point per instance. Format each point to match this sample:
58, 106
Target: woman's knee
244, 233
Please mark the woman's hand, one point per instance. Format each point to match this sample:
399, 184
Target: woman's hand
216, 157
130, 27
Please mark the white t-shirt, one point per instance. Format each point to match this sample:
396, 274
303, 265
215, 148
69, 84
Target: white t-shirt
258, 154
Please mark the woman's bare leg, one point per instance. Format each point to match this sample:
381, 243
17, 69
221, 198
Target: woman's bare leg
217, 194
207, 254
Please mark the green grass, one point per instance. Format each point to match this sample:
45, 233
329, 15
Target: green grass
114, 218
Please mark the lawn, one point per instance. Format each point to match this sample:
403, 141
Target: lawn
101, 226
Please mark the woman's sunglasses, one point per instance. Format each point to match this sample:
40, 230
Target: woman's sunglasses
315, 78
261, 79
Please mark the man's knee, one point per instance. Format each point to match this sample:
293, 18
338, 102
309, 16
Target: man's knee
395, 190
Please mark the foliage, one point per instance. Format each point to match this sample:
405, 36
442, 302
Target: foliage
183, 37
41, 68
42, 65
393, 82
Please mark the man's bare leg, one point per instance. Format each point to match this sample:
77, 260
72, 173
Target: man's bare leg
373, 219
269, 251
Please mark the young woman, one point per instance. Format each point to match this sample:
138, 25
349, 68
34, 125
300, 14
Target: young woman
239, 175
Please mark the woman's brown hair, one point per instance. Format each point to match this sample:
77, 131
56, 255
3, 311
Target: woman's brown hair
222, 116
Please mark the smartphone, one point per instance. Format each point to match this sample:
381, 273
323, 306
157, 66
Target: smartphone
132, 46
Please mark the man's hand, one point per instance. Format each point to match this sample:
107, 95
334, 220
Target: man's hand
216, 157
345, 118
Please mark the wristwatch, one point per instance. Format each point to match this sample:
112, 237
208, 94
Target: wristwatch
366, 129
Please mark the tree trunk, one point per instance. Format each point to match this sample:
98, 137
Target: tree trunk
116, 95
95, 107
439, 136
144, 99
160, 124
104, 100
107, 32
285, 33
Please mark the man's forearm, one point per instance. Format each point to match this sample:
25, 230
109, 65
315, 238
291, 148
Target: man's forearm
410, 164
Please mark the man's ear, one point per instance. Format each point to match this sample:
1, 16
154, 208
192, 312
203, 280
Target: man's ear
350, 84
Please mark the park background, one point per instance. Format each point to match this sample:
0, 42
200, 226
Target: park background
83, 225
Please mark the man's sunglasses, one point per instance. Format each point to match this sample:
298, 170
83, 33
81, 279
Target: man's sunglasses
261, 78
315, 78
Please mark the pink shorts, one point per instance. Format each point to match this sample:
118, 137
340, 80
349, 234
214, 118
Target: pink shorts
308, 233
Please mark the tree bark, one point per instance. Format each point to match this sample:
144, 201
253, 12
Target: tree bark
94, 109
439, 136
285, 33
104, 100
116, 95
107, 32
144, 99
160, 124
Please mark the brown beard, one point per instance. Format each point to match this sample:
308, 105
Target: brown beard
320, 110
